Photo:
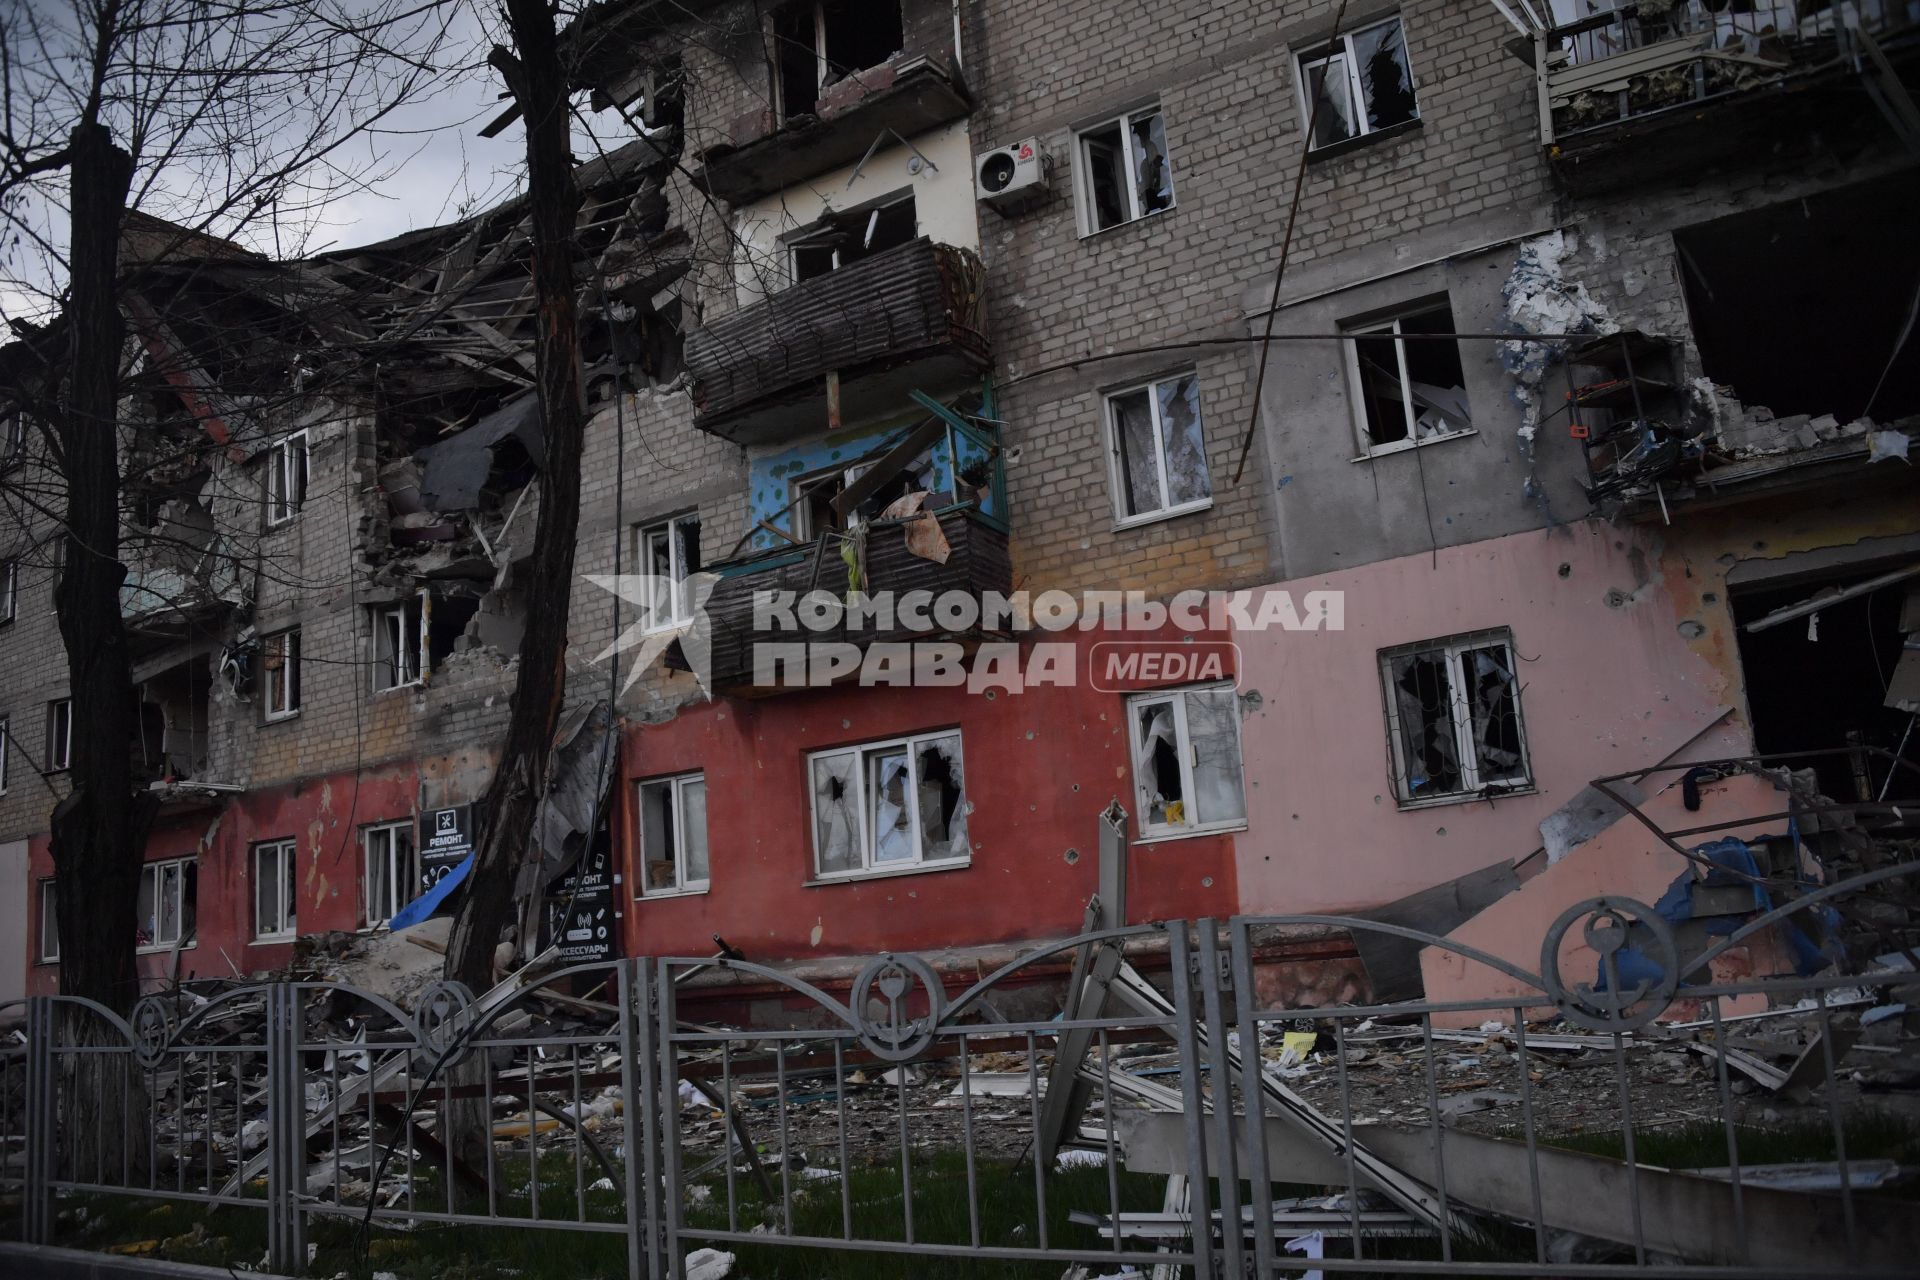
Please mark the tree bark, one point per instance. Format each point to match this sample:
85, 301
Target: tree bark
99, 830
535, 74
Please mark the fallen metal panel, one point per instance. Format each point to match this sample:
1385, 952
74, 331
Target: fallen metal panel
1683, 1214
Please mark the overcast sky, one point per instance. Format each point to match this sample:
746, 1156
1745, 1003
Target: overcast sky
431, 165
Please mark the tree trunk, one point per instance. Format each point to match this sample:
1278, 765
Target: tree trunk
99, 831
537, 78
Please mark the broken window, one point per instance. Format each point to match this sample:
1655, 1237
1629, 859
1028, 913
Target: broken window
668, 552
286, 478
1453, 718
400, 643
1159, 453
274, 878
49, 925
1357, 84
818, 43
1407, 387
392, 879
813, 495
1186, 759
280, 668
9, 590
673, 835
889, 805
1125, 172
13, 436
164, 916
6, 753
844, 238
59, 735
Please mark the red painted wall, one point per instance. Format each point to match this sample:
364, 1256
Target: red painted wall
1040, 765
324, 814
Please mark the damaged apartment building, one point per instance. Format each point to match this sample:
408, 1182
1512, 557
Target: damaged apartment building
1584, 373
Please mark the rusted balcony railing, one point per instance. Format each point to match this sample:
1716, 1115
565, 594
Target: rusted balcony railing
907, 318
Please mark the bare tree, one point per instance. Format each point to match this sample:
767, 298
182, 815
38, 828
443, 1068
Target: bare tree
214, 118
536, 76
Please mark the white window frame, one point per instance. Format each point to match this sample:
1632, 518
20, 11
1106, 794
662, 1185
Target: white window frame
156, 869
676, 788
1472, 787
285, 918
679, 611
1083, 170
1324, 52
1183, 745
869, 867
390, 632
281, 684
49, 923
9, 591
403, 882
59, 735
1379, 327
288, 473
1116, 474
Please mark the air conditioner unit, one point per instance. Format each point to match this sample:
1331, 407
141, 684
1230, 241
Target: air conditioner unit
1011, 177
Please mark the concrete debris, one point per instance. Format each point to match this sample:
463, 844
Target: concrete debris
709, 1264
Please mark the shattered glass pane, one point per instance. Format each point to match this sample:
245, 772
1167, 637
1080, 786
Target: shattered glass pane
942, 799
1187, 478
1425, 712
886, 780
1330, 101
1487, 676
1436, 382
1157, 768
836, 812
693, 829
1154, 190
146, 913
266, 891
168, 930
1213, 731
656, 560
657, 836
1380, 392
288, 897
1381, 54
1106, 176
1133, 436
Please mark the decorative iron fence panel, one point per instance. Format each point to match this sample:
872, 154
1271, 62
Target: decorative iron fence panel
1174, 1117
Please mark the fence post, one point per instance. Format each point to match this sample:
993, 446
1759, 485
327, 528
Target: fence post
667, 1102
286, 1133
636, 1114
37, 1196
1186, 1020
1214, 984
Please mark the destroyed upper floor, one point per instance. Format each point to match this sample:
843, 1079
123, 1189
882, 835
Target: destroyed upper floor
1633, 92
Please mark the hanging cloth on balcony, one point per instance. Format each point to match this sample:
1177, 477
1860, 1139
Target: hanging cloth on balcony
925, 537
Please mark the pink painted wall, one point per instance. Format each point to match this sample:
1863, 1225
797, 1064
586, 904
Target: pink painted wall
1608, 684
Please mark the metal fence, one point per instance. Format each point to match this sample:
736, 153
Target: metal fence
1174, 1118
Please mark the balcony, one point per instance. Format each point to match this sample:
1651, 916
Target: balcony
909, 94
910, 318
1740, 74
978, 562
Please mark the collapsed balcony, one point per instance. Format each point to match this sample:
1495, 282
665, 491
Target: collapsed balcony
893, 558
1635, 70
842, 345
